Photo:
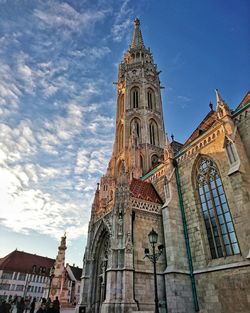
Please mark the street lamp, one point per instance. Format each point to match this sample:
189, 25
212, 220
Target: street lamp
51, 275
153, 237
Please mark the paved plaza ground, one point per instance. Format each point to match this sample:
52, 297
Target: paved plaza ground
67, 310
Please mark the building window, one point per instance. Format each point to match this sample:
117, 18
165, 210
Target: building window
154, 160
22, 276
150, 95
15, 275
7, 275
13, 287
231, 152
135, 127
141, 162
120, 138
220, 229
153, 133
121, 106
4, 286
19, 287
135, 97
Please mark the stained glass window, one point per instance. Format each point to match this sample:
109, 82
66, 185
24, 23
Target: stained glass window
218, 221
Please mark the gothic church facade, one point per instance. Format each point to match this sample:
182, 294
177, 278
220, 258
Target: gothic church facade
196, 196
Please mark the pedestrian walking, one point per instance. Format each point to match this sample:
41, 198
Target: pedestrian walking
33, 305
20, 306
56, 305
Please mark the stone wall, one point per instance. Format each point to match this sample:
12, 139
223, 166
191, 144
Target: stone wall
225, 291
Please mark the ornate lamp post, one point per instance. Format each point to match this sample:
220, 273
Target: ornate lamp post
153, 237
51, 275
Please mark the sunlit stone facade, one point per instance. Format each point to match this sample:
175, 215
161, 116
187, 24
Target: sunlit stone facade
196, 196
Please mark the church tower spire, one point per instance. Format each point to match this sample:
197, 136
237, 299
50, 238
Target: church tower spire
137, 41
139, 110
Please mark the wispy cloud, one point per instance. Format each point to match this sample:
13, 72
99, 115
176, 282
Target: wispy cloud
56, 112
122, 21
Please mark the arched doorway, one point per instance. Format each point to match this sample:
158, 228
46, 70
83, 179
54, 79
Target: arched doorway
99, 274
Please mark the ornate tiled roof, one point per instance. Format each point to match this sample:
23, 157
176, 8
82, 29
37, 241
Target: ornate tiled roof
23, 262
207, 122
144, 190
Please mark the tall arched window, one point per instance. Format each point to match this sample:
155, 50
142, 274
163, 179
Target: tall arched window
135, 126
141, 161
120, 138
121, 105
153, 133
151, 99
134, 97
220, 229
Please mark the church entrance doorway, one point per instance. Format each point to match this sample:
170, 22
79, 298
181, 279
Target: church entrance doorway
100, 279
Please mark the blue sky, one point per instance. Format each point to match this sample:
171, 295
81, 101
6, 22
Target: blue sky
58, 62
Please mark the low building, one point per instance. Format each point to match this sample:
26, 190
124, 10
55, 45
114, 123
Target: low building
29, 275
74, 283
24, 275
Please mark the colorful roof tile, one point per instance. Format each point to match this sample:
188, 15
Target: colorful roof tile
144, 190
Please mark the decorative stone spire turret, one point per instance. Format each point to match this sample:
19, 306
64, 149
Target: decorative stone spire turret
221, 106
137, 41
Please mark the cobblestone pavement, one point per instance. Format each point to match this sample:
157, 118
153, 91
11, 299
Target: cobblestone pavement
67, 310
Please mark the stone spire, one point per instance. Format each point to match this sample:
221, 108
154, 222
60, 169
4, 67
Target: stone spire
219, 99
137, 41
221, 106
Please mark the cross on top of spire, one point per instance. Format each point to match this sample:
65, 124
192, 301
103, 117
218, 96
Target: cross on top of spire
137, 41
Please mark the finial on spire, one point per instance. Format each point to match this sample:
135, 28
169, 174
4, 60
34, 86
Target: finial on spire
218, 97
221, 107
137, 41
211, 106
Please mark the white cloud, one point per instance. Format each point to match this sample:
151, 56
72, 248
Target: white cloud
9, 90
92, 53
64, 16
122, 22
16, 143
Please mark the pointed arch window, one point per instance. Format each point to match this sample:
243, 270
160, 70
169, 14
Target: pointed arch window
218, 221
121, 106
136, 127
151, 99
135, 97
141, 161
120, 138
153, 133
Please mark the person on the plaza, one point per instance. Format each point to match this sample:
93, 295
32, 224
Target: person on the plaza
20, 306
42, 308
2, 306
50, 308
56, 305
33, 305
8, 306
48, 302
